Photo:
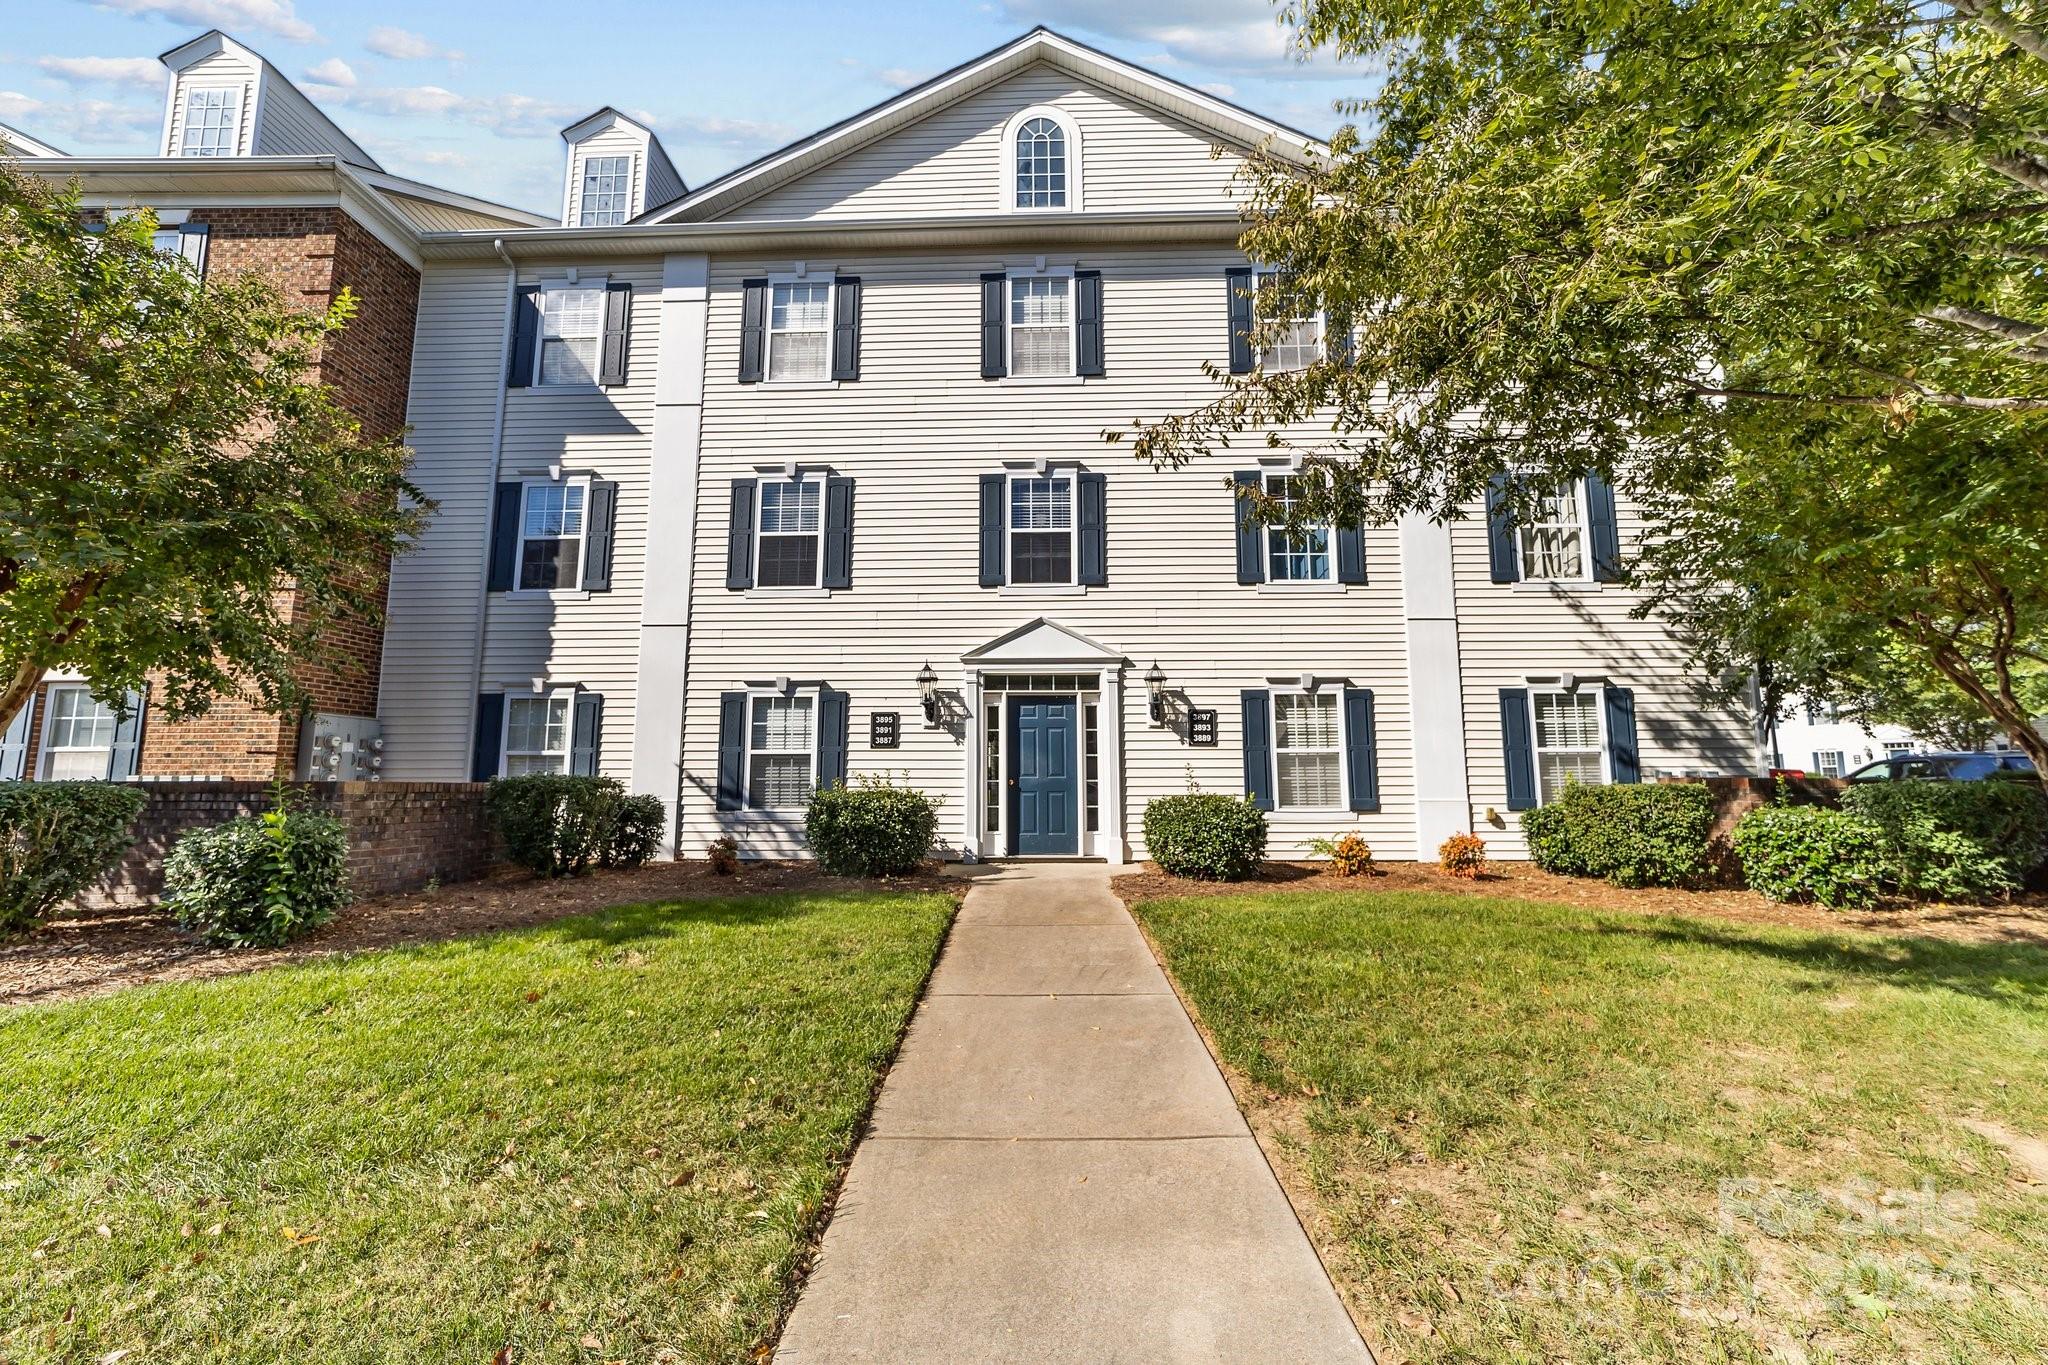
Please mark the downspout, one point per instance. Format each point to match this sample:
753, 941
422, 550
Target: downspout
483, 584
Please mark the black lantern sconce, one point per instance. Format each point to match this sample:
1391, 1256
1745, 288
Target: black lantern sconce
1155, 689
928, 691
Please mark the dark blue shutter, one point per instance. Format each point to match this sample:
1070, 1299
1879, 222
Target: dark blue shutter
1517, 752
618, 317
1251, 535
1241, 320
505, 536
992, 486
846, 327
1350, 554
598, 535
994, 361
739, 537
1257, 706
1361, 750
732, 749
832, 711
1601, 528
1337, 341
1094, 499
124, 758
753, 329
525, 337
1623, 763
586, 734
838, 533
1088, 322
1501, 551
490, 735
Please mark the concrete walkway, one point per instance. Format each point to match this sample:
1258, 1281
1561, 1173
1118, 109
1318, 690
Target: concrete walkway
1057, 1171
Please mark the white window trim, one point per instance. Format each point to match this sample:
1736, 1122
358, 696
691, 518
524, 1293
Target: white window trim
540, 338
44, 749
582, 537
1319, 317
1841, 767
1584, 577
1266, 476
816, 587
578, 196
779, 813
1041, 272
234, 127
825, 380
553, 694
1008, 190
1073, 586
1536, 750
1343, 806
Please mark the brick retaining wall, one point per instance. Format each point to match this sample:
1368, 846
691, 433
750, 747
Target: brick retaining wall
401, 835
1735, 797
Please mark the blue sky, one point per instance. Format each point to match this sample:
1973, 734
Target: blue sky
472, 95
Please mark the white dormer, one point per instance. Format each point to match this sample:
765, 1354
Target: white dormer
617, 171
226, 100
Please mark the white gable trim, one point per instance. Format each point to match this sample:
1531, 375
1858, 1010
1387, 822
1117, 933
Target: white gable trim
1038, 644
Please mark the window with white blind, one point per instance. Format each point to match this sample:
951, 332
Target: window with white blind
782, 752
1294, 343
1041, 326
537, 734
210, 123
792, 523
1308, 750
1295, 556
607, 186
551, 529
800, 330
1570, 741
1554, 536
78, 740
1041, 528
571, 333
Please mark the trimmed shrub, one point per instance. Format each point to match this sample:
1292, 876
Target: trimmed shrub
1205, 835
1632, 834
1462, 855
1955, 840
260, 880
1349, 854
57, 839
724, 855
871, 829
1811, 853
562, 826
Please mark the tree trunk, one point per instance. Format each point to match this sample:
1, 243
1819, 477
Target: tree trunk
20, 684
2000, 703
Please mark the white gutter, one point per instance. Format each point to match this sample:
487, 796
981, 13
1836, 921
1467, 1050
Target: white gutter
483, 583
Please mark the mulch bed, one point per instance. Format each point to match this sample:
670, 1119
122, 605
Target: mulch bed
106, 950
2021, 920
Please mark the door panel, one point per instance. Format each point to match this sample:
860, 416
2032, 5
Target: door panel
1045, 787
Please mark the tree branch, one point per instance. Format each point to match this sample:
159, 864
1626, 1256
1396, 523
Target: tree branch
1988, 15
2023, 335
1935, 398
1996, 215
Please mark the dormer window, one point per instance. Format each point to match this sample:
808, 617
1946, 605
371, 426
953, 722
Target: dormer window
606, 185
209, 123
1044, 153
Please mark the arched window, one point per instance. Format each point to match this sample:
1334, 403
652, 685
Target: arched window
1041, 164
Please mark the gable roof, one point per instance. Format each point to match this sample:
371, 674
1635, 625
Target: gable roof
1040, 641
21, 144
1228, 123
213, 41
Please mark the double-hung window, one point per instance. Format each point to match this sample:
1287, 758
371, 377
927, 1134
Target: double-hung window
209, 123
537, 734
606, 185
1041, 326
79, 741
1301, 556
571, 334
1291, 343
800, 330
1308, 750
792, 522
1570, 743
782, 751
1553, 539
551, 530
1041, 528
1828, 762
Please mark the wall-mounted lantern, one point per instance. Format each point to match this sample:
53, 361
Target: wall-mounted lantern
928, 691
1155, 688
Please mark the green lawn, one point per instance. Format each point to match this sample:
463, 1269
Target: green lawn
609, 1138
1516, 1121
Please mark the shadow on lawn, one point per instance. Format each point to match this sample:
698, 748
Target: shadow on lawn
636, 923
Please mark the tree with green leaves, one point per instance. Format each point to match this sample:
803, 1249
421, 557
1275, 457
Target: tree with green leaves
1777, 270
181, 499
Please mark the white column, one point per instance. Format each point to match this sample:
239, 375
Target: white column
1109, 747
971, 788
671, 528
1436, 693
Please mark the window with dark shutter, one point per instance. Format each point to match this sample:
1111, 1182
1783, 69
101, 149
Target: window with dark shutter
490, 736
994, 353
992, 500
525, 336
1361, 750
1251, 536
1256, 706
1503, 548
1093, 533
739, 536
753, 329
1242, 325
598, 534
838, 533
618, 314
1518, 753
1088, 323
1624, 762
587, 734
846, 329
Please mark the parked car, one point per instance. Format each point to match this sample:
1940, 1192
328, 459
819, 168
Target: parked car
1941, 767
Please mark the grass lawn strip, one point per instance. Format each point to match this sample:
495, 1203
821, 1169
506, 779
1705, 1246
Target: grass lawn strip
609, 1138
1528, 1132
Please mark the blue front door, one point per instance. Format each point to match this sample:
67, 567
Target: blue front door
1045, 791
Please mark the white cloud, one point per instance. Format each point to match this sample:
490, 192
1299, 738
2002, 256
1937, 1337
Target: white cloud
403, 45
1242, 36
736, 133
15, 105
143, 71
90, 121
333, 71
263, 16
1222, 90
899, 78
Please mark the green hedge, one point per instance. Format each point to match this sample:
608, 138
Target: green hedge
562, 826
261, 880
871, 829
1633, 834
57, 839
1810, 853
1954, 840
1208, 836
